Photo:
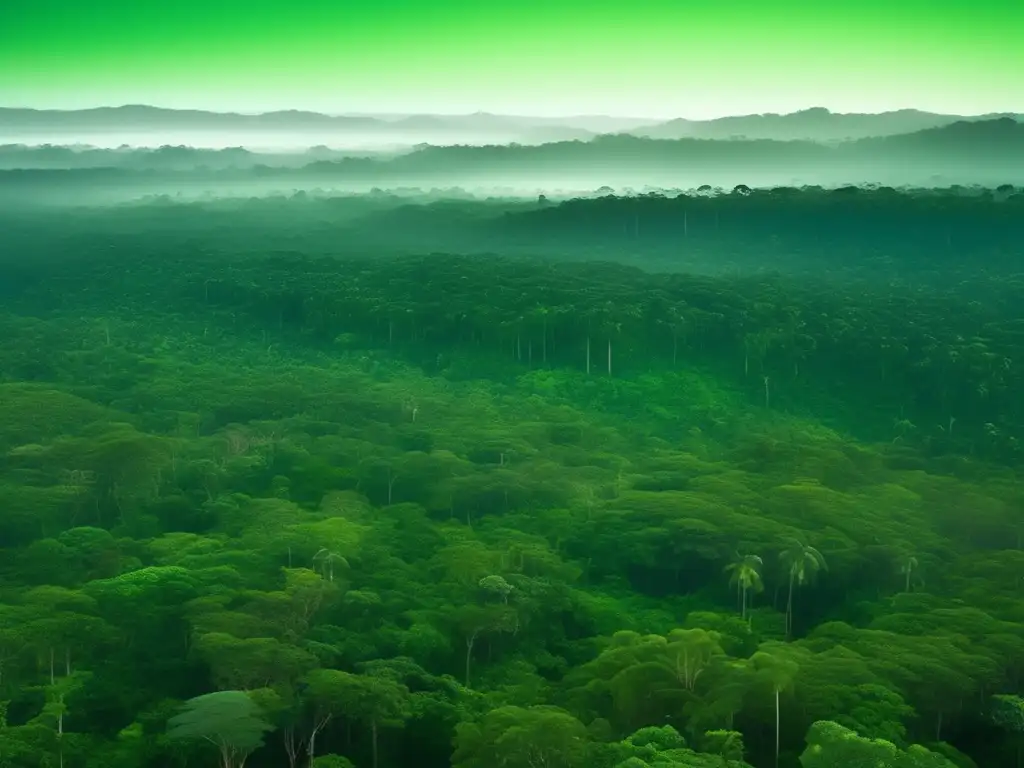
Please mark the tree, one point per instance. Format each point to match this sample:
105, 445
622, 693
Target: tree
802, 562
15, 642
775, 670
1008, 713
746, 575
691, 652
376, 699
664, 747
251, 663
332, 761
496, 585
52, 715
727, 744
32, 745
61, 627
229, 720
641, 680
327, 559
476, 621
518, 737
830, 745
907, 567
324, 691
283, 710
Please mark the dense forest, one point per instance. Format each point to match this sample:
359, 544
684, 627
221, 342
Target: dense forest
381, 481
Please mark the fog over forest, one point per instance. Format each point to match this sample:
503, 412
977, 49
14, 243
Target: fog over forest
983, 151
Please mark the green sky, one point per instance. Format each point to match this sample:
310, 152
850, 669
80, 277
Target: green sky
658, 58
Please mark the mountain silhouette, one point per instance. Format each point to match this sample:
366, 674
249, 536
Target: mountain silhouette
815, 124
85, 123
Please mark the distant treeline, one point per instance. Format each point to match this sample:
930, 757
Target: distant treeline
180, 158
982, 152
781, 219
881, 232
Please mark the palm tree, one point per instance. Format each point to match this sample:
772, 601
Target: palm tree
746, 575
802, 562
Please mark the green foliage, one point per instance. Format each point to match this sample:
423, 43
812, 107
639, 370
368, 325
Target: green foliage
520, 738
381, 509
230, 720
663, 747
831, 745
332, 761
1008, 711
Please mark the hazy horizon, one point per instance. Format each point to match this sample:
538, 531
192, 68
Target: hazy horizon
401, 114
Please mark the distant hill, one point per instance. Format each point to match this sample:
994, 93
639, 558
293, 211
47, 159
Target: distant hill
81, 125
818, 124
989, 152
176, 126
178, 158
998, 137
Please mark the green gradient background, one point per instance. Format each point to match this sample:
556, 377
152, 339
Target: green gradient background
659, 58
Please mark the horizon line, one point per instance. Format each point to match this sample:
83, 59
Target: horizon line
480, 112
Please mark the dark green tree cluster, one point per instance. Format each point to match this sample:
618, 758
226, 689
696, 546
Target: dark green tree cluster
859, 221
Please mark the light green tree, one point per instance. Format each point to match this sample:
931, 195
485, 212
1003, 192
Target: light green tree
229, 720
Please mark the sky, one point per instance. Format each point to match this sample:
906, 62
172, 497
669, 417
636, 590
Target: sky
643, 58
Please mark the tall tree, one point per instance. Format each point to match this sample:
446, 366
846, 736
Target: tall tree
802, 562
377, 700
775, 670
746, 575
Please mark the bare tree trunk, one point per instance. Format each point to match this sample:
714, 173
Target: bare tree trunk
789, 609
317, 727
291, 746
777, 732
470, 643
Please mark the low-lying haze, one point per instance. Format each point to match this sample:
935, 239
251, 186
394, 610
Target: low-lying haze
982, 150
